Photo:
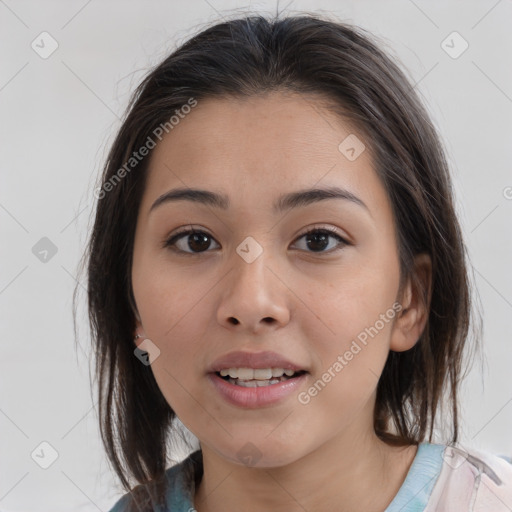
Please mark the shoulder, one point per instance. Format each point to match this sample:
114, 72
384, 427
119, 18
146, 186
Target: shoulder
180, 488
121, 504
472, 479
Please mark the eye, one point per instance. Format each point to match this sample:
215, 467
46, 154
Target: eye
318, 239
195, 241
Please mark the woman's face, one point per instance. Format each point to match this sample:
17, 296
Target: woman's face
311, 302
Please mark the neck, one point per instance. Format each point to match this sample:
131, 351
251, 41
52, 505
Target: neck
349, 473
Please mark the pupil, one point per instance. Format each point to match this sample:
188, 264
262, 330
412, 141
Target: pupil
315, 237
200, 239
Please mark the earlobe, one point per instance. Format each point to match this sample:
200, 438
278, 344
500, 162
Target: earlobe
413, 317
138, 334
136, 338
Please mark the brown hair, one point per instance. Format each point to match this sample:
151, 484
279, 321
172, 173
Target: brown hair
310, 55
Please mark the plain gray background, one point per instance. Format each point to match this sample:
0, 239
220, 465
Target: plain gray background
59, 115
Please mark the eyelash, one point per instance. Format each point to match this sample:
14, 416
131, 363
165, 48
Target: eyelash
331, 232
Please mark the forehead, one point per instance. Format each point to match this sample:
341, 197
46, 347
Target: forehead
288, 124
258, 147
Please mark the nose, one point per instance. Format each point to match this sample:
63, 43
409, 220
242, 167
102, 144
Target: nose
254, 297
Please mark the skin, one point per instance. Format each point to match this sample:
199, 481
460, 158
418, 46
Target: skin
323, 455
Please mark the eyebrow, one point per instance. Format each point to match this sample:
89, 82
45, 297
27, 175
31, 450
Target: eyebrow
285, 202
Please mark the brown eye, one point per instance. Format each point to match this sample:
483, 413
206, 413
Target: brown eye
317, 240
190, 241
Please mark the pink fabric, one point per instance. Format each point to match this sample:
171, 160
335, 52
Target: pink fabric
472, 481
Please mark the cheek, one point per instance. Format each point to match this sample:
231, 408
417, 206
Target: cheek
178, 370
350, 334
165, 297
346, 381
171, 308
348, 305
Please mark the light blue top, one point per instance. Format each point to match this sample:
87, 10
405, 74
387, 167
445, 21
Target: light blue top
412, 496
415, 492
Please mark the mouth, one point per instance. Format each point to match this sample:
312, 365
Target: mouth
252, 388
258, 377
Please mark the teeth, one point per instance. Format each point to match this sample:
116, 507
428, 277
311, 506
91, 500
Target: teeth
255, 383
263, 373
245, 373
249, 374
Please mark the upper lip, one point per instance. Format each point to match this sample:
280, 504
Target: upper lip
254, 360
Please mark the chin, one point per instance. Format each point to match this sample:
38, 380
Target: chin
260, 452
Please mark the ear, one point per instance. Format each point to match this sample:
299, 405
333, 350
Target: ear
138, 322
415, 296
138, 330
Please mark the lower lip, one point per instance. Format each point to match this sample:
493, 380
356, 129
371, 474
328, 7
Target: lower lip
258, 396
